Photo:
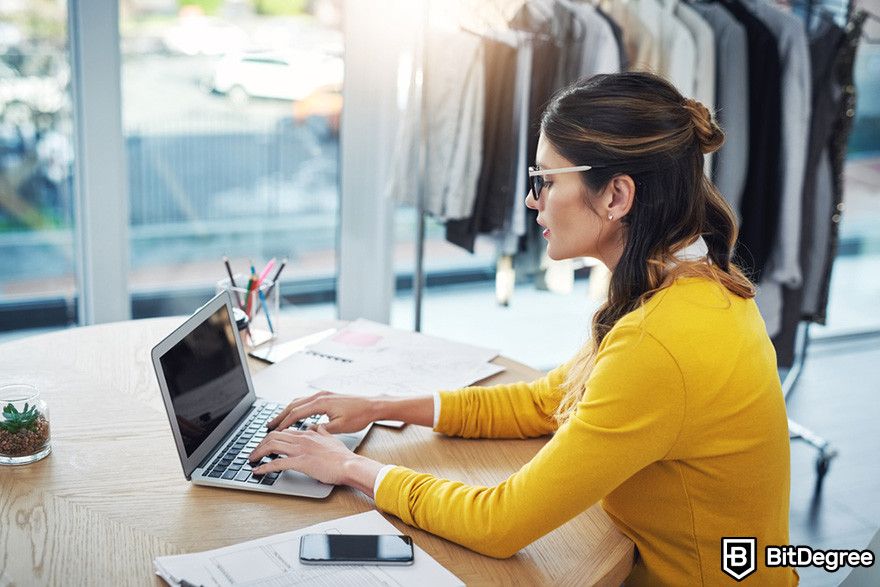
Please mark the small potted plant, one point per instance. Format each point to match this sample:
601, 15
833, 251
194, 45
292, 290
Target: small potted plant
24, 425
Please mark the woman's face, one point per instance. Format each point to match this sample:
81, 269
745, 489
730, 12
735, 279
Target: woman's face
572, 227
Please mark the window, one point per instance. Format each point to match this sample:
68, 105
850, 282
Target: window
231, 119
37, 268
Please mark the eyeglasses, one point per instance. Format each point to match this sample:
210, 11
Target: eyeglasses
536, 176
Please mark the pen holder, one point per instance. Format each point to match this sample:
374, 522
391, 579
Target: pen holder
261, 306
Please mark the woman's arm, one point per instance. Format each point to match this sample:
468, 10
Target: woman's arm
515, 410
631, 415
412, 410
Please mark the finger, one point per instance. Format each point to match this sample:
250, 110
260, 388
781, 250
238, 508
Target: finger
279, 447
278, 465
334, 426
292, 405
322, 430
282, 435
303, 411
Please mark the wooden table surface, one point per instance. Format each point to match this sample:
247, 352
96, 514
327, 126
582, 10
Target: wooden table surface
112, 495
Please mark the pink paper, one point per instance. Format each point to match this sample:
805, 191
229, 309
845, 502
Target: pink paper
357, 338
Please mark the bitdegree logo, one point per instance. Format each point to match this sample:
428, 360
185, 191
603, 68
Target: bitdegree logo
738, 556
804, 556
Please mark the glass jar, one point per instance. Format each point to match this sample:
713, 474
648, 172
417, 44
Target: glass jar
24, 425
255, 309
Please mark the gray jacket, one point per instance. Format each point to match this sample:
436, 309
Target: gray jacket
731, 101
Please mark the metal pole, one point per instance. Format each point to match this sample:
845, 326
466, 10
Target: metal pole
419, 274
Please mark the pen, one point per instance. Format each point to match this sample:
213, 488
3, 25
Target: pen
266, 271
266, 310
232, 280
250, 286
185, 583
277, 274
274, 280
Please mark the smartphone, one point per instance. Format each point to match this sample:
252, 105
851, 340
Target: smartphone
355, 549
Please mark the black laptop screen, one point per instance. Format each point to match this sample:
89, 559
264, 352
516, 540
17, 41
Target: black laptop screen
205, 378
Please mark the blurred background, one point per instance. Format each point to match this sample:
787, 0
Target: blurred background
231, 114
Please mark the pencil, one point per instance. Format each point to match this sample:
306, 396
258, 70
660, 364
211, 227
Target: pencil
232, 281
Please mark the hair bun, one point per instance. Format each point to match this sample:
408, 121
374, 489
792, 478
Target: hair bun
708, 133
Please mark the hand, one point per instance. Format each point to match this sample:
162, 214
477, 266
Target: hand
347, 413
318, 454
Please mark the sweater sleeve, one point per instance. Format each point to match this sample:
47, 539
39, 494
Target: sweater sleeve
630, 416
516, 410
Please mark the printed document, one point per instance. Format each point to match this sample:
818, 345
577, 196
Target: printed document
274, 562
368, 358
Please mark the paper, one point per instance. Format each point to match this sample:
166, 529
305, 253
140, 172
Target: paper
368, 358
275, 353
274, 562
406, 377
290, 378
367, 340
386, 360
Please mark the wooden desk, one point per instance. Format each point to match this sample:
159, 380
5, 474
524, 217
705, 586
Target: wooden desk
112, 495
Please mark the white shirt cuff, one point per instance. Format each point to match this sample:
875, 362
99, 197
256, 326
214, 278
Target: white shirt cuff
436, 408
382, 472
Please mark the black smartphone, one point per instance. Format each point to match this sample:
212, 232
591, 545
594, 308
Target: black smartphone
355, 549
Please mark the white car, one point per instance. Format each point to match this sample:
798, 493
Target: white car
283, 76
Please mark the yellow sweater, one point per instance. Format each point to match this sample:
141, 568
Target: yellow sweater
681, 433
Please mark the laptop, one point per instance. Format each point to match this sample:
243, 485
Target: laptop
216, 418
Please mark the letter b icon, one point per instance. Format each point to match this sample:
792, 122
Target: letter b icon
738, 557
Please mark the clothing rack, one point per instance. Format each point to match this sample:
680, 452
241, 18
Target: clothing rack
826, 452
419, 273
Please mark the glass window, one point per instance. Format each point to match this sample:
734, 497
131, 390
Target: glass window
37, 267
231, 123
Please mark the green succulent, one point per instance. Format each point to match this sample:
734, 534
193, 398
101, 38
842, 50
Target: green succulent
13, 420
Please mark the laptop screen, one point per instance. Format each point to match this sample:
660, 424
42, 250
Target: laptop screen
205, 378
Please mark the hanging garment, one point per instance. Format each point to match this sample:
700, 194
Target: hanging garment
452, 102
497, 176
640, 42
599, 51
759, 207
832, 54
845, 84
783, 266
678, 50
618, 38
732, 102
704, 79
825, 45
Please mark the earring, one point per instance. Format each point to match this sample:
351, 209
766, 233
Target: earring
611, 217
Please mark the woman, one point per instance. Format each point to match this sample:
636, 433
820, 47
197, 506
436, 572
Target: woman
672, 415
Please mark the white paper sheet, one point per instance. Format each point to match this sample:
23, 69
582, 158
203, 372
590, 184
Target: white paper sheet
364, 339
368, 358
274, 562
406, 378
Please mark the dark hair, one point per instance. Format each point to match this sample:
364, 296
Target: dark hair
638, 124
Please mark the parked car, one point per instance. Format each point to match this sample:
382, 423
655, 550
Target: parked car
292, 75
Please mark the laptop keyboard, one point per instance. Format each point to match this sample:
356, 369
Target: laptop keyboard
232, 462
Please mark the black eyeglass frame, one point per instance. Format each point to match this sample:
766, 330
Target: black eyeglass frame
536, 176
